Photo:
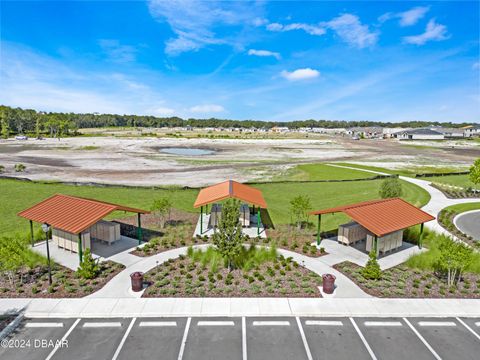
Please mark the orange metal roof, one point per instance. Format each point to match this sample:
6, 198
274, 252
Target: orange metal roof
71, 213
384, 216
230, 189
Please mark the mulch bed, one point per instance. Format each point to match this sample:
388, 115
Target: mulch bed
456, 193
183, 277
66, 283
445, 219
296, 240
404, 282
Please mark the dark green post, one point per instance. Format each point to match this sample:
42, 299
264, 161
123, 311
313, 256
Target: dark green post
31, 233
139, 229
201, 220
420, 239
318, 229
258, 221
376, 245
80, 247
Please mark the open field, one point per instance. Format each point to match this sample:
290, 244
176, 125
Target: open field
17, 195
122, 158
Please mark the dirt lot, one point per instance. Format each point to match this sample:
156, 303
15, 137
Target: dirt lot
142, 160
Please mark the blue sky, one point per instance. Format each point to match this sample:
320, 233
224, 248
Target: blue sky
278, 60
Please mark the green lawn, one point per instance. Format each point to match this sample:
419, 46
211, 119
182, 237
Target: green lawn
460, 208
456, 180
320, 171
17, 195
408, 171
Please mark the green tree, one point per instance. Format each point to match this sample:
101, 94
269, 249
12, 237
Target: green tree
299, 208
89, 267
372, 269
229, 238
455, 258
163, 208
390, 188
475, 172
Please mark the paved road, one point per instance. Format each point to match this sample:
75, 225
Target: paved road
244, 338
469, 223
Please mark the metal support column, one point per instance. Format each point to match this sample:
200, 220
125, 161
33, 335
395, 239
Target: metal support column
32, 237
139, 229
318, 229
376, 245
420, 238
258, 221
201, 220
80, 247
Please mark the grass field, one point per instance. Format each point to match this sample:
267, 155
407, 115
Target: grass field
18, 195
460, 208
455, 180
313, 172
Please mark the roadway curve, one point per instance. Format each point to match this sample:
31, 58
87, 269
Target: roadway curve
468, 222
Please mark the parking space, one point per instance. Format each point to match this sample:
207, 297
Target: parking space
214, 338
93, 339
333, 338
153, 336
34, 339
274, 338
392, 338
236, 338
449, 338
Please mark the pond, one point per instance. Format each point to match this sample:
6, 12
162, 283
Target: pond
187, 151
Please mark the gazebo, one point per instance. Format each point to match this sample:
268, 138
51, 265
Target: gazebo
380, 222
75, 220
226, 190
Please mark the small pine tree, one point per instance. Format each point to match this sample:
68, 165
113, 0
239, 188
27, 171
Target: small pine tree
372, 269
390, 188
89, 267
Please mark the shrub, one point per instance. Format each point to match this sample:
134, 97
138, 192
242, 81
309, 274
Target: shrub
89, 267
20, 168
372, 269
390, 188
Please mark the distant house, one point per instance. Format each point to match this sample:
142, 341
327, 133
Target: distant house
390, 132
471, 130
419, 134
450, 133
280, 129
366, 132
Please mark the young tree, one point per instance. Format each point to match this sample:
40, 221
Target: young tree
89, 267
163, 208
372, 269
229, 238
299, 208
390, 188
455, 258
475, 172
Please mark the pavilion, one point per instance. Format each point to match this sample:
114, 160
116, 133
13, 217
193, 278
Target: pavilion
380, 222
249, 217
76, 221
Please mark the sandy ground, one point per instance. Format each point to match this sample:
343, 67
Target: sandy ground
140, 160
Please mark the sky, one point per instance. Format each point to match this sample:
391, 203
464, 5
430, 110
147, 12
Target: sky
262, 60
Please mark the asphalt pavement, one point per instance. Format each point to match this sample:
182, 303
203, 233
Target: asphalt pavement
242, 338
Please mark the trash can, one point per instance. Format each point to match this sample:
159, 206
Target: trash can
137, 281
328, 283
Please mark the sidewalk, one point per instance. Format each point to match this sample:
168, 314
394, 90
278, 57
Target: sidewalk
168, 307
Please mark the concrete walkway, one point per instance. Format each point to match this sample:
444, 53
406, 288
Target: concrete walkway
438, 200
119, 286
164, 307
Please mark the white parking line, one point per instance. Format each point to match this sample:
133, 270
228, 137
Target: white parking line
215, 323
382, 323
244, 339
369, 349
63, 339
323, 323
434, 353
102, 324
157, 323
436, 323
43, 324
468, 328
477, 323
271, 323
184, 339
120, 346
304, 339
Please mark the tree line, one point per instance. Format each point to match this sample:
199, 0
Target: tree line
38, 123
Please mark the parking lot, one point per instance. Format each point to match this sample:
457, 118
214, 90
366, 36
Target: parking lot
244, 338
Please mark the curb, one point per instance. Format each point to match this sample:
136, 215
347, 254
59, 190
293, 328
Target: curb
11, 327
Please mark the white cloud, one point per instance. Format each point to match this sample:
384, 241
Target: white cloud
411, 17
352, 31
433, 32
300, 74
207, 108
264, 53
116, 51
194, 22
406, 18
163, 111
309, 29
